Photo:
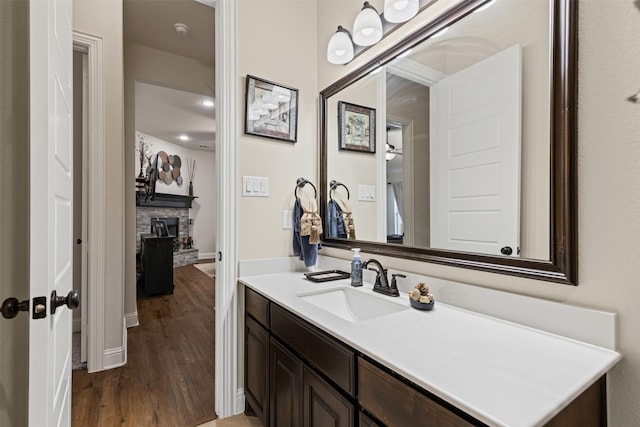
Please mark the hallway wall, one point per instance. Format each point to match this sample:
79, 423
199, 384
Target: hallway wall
104, 19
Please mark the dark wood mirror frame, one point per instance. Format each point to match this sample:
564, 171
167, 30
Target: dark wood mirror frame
563, 264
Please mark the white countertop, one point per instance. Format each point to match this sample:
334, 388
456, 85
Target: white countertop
501, 373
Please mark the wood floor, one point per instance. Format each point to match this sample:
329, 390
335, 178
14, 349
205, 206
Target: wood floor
168, 379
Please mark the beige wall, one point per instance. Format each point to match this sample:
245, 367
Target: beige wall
14, 208
149, 65
103, 18
353, 168
609, 194
276, 42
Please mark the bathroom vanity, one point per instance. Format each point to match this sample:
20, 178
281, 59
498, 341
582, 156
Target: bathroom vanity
307, 363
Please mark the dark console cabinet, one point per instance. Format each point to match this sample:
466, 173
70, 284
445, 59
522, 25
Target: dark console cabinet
156, 259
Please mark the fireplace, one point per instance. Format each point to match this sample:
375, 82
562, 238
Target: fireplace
172, 225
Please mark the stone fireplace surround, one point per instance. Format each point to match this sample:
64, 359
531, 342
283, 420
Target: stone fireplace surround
143, 226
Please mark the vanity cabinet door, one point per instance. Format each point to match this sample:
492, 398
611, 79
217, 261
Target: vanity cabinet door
257, 369
323, 405
286, 387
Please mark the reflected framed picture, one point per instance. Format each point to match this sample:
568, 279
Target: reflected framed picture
357, 127
271, 110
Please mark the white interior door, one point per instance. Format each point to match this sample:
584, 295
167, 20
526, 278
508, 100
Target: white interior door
475, 157
51, 226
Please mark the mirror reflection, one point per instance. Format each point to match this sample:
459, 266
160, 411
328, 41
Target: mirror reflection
461, 148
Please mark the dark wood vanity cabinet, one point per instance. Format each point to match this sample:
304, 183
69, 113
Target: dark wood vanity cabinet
256, 388
285, 388
297, 375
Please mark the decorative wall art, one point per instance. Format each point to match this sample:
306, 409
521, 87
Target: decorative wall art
357, 127
168, 166
271, 110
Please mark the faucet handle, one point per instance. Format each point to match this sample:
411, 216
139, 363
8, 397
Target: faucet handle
393, 280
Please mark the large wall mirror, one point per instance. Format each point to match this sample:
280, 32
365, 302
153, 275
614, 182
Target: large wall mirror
457, 145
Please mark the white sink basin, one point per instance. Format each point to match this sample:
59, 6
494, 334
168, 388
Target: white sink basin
351, 304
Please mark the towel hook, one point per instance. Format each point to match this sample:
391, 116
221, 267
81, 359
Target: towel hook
301, 182
335, 184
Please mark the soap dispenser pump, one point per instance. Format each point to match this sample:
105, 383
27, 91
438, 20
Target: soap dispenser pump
356, 268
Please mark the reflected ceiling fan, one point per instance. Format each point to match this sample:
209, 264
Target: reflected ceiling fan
391, 150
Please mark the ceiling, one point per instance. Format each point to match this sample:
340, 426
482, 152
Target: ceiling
151, 23
168, 113
164, 112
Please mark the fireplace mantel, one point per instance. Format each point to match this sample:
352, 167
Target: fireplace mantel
163, 200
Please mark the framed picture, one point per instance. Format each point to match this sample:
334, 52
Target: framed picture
357, 127
271, 110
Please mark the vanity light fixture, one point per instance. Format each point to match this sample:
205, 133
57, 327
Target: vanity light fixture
340, 49
396, 11
367, 28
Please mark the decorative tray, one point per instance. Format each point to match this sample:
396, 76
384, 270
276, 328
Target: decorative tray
327, 276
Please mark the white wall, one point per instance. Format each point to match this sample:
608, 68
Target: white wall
608, 196
154, 66
203, 208
104, 19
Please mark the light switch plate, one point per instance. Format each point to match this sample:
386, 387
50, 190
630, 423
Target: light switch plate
366, 193
287, 220
255, 186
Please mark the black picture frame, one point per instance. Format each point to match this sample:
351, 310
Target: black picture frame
356, 127
271, 110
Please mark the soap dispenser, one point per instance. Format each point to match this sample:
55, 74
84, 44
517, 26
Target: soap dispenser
356, 268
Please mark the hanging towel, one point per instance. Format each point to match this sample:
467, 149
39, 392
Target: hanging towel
347, 217
335, 221
307, 227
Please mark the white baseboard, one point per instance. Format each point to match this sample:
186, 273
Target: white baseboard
114, 357
117, 356
131, 319
77, 325
211, 255
240, 402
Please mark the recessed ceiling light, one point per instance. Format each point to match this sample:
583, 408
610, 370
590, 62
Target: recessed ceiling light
208, 103
183, 138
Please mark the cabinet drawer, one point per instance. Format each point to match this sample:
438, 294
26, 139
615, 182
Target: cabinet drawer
398, 404
257, 306
318, 349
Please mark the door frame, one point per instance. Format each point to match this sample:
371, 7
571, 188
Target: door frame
92, 46
229, 397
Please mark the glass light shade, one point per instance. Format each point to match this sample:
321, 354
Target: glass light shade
396, 11
367, 28
340, 49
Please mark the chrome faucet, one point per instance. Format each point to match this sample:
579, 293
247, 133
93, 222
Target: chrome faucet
382, 282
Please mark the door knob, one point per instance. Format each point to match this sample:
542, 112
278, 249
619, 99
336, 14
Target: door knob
11, 307
506, 250
72, 300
